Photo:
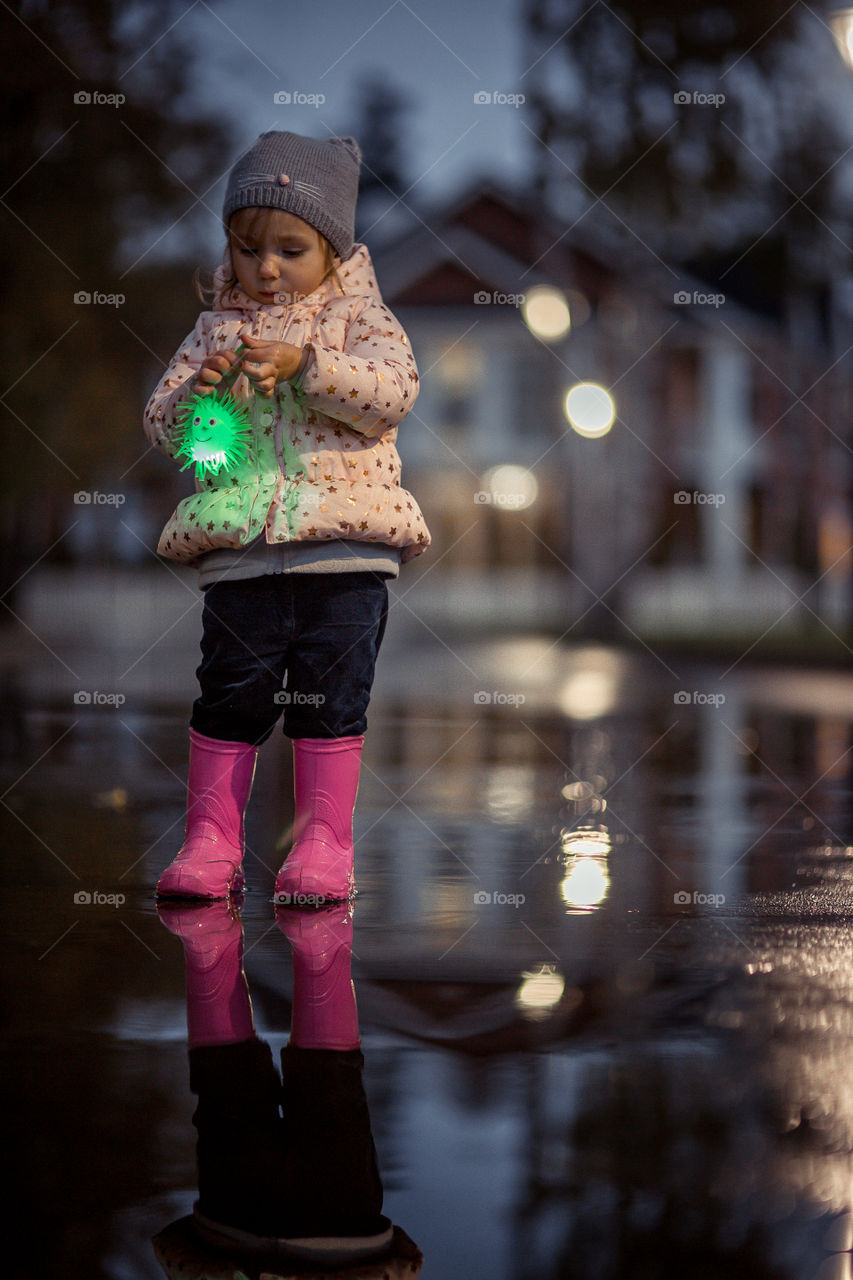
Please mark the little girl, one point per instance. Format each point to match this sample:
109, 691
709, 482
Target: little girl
294, 542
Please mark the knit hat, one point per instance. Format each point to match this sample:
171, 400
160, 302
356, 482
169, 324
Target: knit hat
317, 181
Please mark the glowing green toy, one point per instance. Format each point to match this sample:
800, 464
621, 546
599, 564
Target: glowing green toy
216, 429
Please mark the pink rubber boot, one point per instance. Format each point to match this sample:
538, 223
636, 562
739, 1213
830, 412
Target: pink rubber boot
219, 1010
319, 867
209, 864
324, 1009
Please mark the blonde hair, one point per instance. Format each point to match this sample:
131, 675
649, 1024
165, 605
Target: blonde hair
256, 224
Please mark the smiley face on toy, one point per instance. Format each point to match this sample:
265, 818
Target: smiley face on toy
216, 433
202, 430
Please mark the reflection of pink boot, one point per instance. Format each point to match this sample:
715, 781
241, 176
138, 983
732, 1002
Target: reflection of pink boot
324, 1009
219, 1010
218, 787
319, 867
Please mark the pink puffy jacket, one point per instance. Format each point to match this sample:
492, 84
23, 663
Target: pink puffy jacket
327, 468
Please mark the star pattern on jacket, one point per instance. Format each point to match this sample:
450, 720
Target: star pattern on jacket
358, 385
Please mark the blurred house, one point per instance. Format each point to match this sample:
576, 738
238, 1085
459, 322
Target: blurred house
718, 501
717, 504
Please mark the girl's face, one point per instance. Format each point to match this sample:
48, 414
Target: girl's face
277, 258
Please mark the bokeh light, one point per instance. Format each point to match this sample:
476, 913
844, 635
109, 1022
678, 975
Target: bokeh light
540, 990
590, 409
545, 311
586, 884
586, 695
510, 487
586, 841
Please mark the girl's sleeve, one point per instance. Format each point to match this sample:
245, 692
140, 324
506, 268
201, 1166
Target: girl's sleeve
158, 419
372, 384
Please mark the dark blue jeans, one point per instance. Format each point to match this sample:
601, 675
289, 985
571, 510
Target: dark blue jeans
323, 630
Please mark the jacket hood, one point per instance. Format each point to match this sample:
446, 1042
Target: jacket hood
356, 275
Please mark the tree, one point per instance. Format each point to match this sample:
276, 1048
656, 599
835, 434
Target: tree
104, 150
381, 131
703, 128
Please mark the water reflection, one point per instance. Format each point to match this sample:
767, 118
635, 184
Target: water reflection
541, 989
630, 1058
701, 1124
585, 853
288, 1176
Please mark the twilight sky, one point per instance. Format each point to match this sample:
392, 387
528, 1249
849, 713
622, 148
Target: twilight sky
442, 53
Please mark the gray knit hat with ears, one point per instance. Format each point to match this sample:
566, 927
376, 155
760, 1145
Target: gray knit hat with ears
315, 180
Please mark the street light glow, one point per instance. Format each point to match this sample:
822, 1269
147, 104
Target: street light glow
590, 409
546, 313
586, 884
584, 841
586, 695
540, 990
509, 486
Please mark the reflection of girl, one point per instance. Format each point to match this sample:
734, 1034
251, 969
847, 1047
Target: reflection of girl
305, 1186
294, 543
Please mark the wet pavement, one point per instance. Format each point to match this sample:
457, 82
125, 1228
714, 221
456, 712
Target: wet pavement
601, 952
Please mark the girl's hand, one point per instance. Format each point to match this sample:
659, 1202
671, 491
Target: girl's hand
212, 371
267, 363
